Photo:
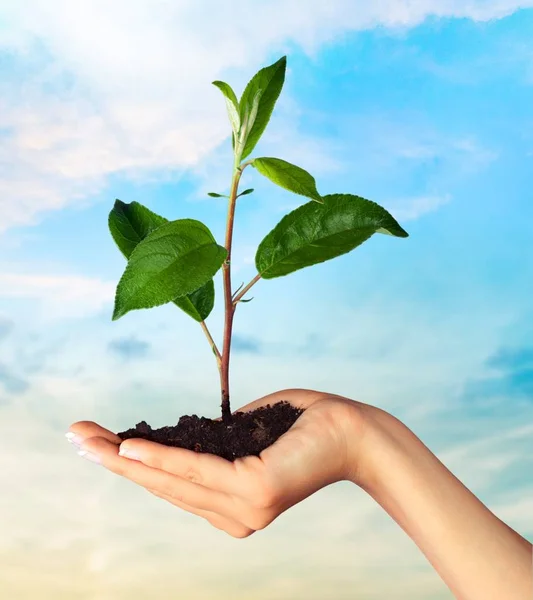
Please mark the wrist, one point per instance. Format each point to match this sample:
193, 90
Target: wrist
376, 439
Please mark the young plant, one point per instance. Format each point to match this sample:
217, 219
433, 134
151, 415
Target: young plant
175, 261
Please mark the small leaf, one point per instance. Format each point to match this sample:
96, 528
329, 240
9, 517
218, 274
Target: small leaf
246, 192
200, 303
173, 261
288, 176
131, 223
314, 233
215, 195
232, 105
228, 92
263, 89
237, 291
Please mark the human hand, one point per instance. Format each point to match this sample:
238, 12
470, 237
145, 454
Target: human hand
323, 446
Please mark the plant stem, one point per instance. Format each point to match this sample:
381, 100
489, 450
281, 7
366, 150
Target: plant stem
245, 290
211, 343
228, 298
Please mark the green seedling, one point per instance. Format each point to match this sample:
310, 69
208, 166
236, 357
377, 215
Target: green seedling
175, 261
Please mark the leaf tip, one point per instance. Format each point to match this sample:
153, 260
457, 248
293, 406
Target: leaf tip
401, 232
118, 312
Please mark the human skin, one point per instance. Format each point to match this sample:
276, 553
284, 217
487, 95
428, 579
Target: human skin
477, 555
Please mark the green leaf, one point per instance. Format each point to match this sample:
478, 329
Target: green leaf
232, 105
246, 192
314, 233
263, 89
288, 176
215, 195
200, 303
131, 223
173, 261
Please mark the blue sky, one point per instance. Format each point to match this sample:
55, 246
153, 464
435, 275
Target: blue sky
425, 109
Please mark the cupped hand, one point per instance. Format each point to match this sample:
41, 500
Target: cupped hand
323, 446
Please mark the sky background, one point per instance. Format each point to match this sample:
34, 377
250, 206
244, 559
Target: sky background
425, 107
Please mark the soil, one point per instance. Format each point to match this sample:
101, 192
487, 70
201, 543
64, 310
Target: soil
248, 435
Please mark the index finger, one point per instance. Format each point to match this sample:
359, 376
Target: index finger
209, 470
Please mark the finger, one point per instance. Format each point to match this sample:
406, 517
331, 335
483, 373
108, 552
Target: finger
244, 480
230, 526
192, 494
208, 470
88, 429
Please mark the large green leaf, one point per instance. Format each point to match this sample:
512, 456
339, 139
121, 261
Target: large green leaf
232, 104
288, 176
131, 223
171, 262
314, 233
263, 91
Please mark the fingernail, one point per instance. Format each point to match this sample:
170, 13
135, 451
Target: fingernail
127, 453
90, 456
74, 438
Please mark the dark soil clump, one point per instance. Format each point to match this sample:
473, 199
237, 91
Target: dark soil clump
249, 434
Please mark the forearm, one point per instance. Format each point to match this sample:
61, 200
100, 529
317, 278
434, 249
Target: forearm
477, 555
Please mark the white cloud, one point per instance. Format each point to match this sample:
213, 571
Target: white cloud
413, 208
58, 296
393, 143
124, 86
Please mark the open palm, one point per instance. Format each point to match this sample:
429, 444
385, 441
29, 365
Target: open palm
246, 495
